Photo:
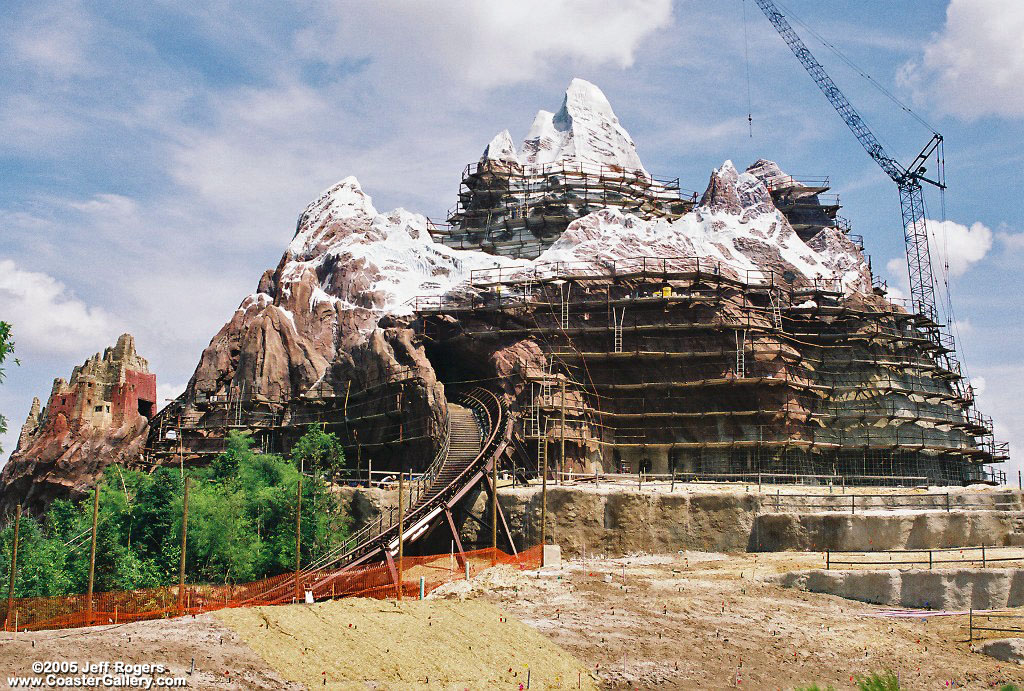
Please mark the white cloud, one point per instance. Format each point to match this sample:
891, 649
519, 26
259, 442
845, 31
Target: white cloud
488, 44
1012, 242
47, 318
975, 65
999, 397
52, 39
960, 245
963, 327
167, 392
956, 244
898, 287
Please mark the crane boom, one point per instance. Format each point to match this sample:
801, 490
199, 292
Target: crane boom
907, 179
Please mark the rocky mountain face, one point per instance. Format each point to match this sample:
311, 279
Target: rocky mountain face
735, 225
330, 325
97, 417
584, 132
330, 322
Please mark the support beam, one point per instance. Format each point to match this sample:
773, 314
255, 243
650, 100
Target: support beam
501, 517
460, 553
391, 569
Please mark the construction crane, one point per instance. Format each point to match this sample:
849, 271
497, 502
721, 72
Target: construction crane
907, 178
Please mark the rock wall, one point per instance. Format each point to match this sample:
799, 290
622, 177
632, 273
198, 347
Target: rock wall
956, 589
619, 521
616, 521
887, 530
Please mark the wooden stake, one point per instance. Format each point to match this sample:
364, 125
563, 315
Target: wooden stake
298, 540
92, 552
401, 530
14, 567
184, 546
494, 511
544, 495
561, 458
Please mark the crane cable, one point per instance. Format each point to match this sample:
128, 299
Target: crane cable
856, 68
746, 60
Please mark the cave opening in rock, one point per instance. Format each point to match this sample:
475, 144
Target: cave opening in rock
146, 408
456, 366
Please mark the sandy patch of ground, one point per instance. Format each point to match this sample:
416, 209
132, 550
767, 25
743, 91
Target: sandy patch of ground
708, 621
222, 660
360, 643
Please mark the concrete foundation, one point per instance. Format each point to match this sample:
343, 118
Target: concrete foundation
955, 589
616, 520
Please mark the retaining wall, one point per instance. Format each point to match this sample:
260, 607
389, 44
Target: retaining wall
955, 589
618, 520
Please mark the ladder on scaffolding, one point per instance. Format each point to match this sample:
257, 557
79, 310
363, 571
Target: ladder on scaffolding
741, 356
565, 305
617, 321
534, 430
542, 451
776, 309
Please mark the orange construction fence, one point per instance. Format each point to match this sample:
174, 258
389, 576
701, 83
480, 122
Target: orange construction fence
373, 580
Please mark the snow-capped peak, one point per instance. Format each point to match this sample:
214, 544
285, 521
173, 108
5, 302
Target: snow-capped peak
501, 148
341, 201
584, 132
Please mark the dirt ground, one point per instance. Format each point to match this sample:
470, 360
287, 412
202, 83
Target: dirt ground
707, 621
360, 643
692, 620
222, 660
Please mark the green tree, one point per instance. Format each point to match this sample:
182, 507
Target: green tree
319, 449
241, 527
6, 348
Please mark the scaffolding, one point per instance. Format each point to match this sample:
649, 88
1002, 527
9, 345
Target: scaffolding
711, 372
370, 421
516, 210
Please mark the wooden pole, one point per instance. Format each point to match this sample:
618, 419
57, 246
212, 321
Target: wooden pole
298, 539
544, 494
14, 567
184, 546
494, 511
92, 552
561, 458
401, 530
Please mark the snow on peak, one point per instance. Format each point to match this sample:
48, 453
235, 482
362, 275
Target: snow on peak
584, 132
347, 254
501, 148
736, 224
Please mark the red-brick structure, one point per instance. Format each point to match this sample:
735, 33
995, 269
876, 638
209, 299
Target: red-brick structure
98, 417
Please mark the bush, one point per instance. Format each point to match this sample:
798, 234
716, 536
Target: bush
241, 527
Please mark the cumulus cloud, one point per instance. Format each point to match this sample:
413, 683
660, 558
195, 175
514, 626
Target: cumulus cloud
957, 245
1012, 242
952, 243
975, 65
491, 43
47, 317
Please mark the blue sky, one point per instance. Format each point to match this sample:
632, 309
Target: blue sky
155, 156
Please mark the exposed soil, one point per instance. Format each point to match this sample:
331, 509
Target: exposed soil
359, 643
708, 621
693, 620
222, 660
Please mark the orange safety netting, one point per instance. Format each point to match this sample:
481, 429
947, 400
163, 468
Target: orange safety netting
373, 580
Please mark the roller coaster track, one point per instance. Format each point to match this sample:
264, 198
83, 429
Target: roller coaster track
479, 428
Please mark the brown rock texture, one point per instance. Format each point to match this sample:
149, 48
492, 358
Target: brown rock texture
325, 330
98, 417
